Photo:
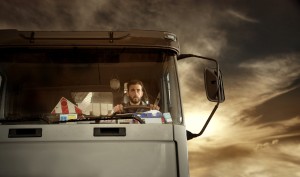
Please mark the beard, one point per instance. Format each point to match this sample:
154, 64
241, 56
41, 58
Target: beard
135, 100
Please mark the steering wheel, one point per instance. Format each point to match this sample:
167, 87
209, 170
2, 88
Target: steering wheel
137, 107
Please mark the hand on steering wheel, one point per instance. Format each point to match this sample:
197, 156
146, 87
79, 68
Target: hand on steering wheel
120, 108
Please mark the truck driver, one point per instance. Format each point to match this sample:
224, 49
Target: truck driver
135, 92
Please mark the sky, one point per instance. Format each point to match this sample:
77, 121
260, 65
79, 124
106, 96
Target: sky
256, 131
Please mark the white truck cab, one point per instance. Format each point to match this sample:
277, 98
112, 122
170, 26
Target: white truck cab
57, 93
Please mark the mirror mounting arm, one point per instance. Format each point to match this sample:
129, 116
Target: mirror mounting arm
183, 56
191, 135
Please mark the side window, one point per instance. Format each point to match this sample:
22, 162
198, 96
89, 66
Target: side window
171, 96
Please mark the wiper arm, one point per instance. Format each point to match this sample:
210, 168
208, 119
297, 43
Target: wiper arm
99, 118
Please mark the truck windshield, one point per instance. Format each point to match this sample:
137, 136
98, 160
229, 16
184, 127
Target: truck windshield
76, 83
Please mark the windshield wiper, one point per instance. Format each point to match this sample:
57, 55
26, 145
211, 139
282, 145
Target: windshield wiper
101, 118
52, 119
25, 120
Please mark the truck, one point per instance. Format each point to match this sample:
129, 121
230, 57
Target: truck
58, 90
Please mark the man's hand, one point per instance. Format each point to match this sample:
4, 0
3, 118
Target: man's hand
118, 108
154, 107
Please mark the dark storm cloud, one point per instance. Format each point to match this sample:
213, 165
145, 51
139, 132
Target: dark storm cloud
36, 15
66, 15
274, 27
294, 129
191, 20
281, 107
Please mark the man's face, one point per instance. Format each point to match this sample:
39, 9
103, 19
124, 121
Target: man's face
135, 93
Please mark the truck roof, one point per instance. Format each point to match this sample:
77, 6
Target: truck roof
111, 39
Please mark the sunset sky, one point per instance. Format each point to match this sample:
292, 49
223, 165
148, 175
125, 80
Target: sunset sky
256, 131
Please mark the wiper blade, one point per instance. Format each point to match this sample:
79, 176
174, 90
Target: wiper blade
99, 118
26, 120
52, 119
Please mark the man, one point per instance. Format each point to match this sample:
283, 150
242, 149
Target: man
135, 93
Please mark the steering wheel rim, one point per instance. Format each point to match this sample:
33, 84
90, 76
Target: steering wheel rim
137, 107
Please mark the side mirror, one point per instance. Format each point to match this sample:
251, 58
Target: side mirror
214, 85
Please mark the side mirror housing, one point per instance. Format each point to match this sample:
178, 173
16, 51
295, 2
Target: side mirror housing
214, 85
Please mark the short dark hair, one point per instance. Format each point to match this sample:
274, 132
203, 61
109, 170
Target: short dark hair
134, 82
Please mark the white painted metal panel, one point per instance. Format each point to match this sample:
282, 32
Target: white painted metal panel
82, 158
73, 150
